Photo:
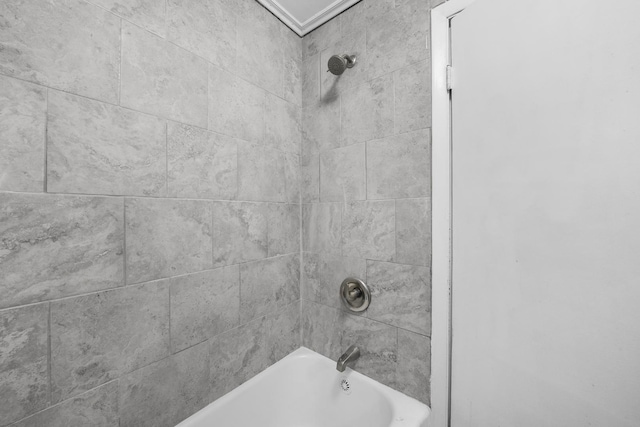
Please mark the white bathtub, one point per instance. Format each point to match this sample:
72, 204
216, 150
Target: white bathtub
305, 390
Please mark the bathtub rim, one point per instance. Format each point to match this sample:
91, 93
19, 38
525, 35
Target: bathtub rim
399, 401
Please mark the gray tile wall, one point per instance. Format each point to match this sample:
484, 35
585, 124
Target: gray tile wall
366, 189
149, 206
178, 179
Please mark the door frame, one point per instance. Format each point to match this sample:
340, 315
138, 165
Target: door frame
441, 211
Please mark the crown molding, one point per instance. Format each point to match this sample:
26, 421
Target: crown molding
317, 19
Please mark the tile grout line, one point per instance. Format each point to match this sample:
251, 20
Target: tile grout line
124, 243
208, 97
121, 60
62, 402
300, 65
239, 296
397, 331
118, 408
366, 172
345, 311
49, 356
170, 317
302, 258
166, 158
344, 202
152, 281
142, 197
267, 216
213, 224
393, 88
45, 180
395, 230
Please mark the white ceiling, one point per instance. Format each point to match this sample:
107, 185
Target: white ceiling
302, 16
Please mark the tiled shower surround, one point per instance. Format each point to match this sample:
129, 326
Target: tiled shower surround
149, 206
366, 207
161, 162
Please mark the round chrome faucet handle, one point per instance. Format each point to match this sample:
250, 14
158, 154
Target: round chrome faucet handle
355, 294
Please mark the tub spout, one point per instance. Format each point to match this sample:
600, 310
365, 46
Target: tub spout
350, 355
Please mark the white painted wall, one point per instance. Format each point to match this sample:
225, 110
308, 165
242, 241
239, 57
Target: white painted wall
546, 214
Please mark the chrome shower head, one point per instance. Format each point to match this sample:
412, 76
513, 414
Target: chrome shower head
339, 63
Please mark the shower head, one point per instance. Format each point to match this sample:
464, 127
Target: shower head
339, 63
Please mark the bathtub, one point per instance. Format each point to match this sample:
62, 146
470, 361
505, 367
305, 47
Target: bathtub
305, 390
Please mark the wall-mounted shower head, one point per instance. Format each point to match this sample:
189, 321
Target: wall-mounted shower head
339, 63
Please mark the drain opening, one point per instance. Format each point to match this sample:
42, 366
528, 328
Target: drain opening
345, 386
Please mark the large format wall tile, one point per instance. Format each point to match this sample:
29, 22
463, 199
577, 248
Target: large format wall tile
261, 173
236, 107
292, 177
292, 66
414, 365
166, 392
204, 305
167, 238
282, 124
413, 231
321, 227
293, 81
57, 43
56, 246
95, 408
310, 69
99, 337
284, 229
283, 332
201, 164
162, 79
322, 328
206, 28
238, 355
322, 275
97, 148
267, 286
22, 129
342, 174
402, 295
398, 37
149, 14
398, 166
239, 232
367, 111
321, 125
24, 363
412, 97
368, 230
309, 176
260, 55
292, 45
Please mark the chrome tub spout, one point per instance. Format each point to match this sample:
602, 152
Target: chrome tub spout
350, 355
